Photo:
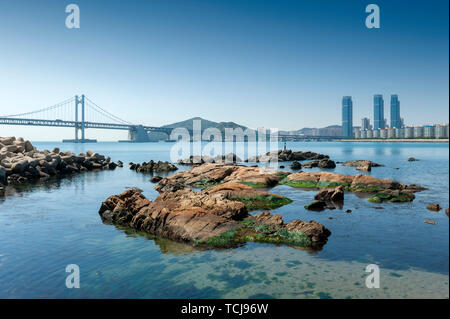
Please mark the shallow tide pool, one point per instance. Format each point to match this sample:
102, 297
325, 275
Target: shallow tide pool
45, 227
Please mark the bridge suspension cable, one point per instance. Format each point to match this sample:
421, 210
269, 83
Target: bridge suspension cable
93, 106
46, 109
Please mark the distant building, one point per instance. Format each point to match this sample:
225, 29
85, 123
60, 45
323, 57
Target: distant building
369, 134
399, 132
365, 124
418, 131
378, 112
347, 116
441, 131
376, 133
396, 121
409, 132
428, 131
383, 133
357, 134
390, 132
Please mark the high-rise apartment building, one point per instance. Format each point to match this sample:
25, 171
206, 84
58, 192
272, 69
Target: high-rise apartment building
378, 112
396, 121
365, 124
347, 116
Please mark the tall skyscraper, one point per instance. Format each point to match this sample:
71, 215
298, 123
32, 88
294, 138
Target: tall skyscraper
365, 124
378, 112
347, 116
396, 121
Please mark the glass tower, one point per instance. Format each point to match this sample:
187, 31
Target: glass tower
378, 112
347, 116
396, 121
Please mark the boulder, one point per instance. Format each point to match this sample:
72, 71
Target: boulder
326, 163
311, 164
155, 179
412, 159
331, 195
316, 205
296, 165
430, 221
435, 207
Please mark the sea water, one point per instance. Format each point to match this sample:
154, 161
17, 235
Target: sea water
47, 226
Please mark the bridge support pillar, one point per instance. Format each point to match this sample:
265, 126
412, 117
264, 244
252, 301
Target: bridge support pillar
138, 134
80, 125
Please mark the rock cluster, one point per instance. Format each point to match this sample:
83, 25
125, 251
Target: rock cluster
285, 155
21, 162
207, 175
153, 167
205, 218
192, 160
324, 163
362, 165
383, 189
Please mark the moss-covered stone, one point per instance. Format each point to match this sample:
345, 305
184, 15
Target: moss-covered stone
253, 232
262, 202
392, 196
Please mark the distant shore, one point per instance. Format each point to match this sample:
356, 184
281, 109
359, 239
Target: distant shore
399, 140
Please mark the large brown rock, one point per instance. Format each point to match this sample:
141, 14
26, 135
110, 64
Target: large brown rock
196, 217
211, 174
331, 195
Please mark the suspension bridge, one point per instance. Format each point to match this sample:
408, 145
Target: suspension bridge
81, 113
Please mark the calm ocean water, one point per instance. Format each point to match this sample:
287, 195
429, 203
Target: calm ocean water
45, 227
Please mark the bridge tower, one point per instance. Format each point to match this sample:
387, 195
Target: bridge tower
80, 125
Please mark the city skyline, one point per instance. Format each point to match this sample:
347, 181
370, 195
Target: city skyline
240, 61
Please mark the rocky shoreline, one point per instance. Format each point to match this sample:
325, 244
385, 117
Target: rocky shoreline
21, 162
208, 205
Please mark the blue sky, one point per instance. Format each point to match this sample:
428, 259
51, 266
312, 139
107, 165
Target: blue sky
283, 64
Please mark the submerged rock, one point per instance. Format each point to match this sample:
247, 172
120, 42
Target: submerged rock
207, 175
435, 207
412, 159
362, 165
430, 221
207, 218
316, 205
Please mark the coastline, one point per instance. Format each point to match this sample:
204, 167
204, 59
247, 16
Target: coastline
402, 140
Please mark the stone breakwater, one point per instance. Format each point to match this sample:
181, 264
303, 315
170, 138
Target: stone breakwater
211, 218
21, 162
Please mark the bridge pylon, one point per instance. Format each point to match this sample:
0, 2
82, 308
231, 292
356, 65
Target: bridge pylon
80, 125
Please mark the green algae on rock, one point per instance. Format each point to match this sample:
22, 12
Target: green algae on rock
210, 217
386, 189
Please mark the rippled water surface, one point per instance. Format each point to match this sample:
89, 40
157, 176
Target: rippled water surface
45, 227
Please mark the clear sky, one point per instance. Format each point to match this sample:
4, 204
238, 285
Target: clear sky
283, 64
